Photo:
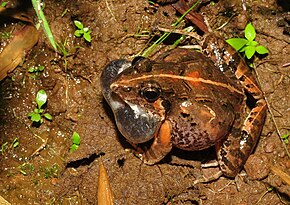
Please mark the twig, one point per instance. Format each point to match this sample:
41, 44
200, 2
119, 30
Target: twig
181, 32
42, 146
272, 114
110, 10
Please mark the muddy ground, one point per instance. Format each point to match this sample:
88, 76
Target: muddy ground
54, 176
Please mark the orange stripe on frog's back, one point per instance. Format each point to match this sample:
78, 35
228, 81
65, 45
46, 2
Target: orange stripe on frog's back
194, 74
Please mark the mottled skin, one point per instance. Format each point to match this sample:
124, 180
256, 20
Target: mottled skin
189, 100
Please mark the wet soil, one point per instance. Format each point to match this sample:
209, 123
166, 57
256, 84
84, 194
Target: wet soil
41, 170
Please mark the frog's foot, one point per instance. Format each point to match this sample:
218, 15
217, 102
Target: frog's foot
161, 146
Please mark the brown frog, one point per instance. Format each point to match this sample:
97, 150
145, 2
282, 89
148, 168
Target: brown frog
189, 100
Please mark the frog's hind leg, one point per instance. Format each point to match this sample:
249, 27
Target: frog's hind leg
234, 151
160, 147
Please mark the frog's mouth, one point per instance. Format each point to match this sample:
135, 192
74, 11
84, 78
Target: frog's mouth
136, 124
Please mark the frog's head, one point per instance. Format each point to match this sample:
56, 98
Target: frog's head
135, 100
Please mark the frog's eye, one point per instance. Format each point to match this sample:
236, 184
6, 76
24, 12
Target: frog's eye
150, 94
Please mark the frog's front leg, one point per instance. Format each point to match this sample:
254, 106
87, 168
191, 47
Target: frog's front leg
160, 147
235, 150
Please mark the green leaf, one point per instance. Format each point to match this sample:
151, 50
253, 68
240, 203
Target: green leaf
86, 29
41, 68
243, 49
73, 148
30, 114
252, 43
41, 98
47, 116
261, 50
76, 139
35, 117
31, 70
79, 33
87, 36
250, 32
78, 24
237, 43
285, 138
4, 3
15, 143
250, 51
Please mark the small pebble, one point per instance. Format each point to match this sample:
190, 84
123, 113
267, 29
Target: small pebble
287, 164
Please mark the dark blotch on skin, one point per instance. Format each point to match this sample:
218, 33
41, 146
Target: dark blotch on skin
166, 104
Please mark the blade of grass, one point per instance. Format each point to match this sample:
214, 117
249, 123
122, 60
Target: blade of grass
166, 34
41, 17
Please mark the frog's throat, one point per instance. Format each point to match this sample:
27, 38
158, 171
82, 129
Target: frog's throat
136, 124
185, 78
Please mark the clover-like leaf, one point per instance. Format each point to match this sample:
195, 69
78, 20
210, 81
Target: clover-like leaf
237, 43
73, 148
250, 32
250, 51
87, 36
252, 43
30, 114
47, 116
76, 139
79, 24
41, 98
78, 33
261, 50
31, 69
40, 68
35, 117
86, 29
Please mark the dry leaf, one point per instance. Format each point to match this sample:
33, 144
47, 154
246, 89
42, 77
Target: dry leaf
14, 53
3, 201
105, 196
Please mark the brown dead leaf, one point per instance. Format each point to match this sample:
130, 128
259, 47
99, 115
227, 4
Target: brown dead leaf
15, 51
23, 40
105, 196
3, 201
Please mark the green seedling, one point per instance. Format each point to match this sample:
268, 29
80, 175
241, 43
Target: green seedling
4, 3
65, 52
285, 138
4, 147
5, 35
51, 172
76, 141
25, 168
248, 44
15, 143
36, 70
82, 31
38, 113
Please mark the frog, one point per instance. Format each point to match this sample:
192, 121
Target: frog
190, 100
